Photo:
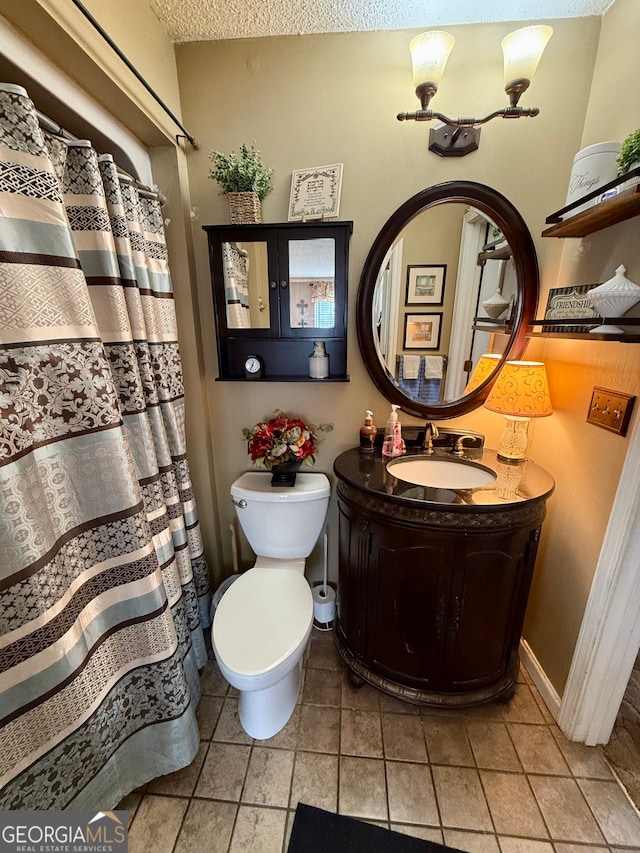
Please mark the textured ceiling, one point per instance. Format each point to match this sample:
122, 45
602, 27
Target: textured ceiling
204, 20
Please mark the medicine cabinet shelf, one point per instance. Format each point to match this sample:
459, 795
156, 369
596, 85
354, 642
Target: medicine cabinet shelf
625, 205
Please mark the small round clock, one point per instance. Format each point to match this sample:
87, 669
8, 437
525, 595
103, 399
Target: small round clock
253, 368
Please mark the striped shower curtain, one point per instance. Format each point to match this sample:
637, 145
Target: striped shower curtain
103, 583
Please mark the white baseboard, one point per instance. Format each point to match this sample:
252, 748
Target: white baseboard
539, 677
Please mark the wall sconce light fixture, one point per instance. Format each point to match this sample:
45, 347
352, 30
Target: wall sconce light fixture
430, 51
520, 392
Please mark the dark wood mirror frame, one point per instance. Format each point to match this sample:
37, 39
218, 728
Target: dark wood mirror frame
505, 216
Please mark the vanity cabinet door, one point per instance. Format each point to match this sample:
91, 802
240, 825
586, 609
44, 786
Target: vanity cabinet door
490, 588
408, 604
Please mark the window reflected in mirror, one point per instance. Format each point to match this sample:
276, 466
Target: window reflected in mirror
312, 273
246, 285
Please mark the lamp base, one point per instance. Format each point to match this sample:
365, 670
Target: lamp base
513, 441
447, 141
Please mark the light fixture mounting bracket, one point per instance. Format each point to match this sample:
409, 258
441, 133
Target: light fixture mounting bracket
447, 141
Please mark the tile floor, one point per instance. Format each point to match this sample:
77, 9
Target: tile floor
500, 778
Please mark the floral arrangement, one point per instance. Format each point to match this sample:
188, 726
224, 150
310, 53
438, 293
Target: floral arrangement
283, 439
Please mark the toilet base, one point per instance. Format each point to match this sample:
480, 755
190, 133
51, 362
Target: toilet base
263, 713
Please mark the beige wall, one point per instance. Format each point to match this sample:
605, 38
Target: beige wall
315, 100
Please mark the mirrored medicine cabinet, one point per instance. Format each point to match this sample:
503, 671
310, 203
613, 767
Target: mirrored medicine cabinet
277, 289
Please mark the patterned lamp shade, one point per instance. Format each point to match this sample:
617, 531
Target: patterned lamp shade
483, 370
520, 392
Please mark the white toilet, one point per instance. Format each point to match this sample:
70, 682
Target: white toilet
263, 621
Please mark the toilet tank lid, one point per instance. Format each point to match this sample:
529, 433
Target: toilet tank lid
256, 485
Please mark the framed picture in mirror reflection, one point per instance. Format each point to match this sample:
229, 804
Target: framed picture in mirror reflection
422, 331
425, 284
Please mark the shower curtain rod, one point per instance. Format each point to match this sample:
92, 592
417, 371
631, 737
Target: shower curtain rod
185, 133
55, 129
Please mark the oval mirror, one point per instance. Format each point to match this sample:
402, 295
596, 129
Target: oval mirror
452, 276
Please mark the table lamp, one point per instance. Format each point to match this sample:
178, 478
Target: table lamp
520, 392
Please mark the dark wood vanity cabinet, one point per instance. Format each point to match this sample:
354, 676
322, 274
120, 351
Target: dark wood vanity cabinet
431, 604
277, 289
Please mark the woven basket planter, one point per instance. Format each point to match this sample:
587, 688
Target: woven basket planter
244, 208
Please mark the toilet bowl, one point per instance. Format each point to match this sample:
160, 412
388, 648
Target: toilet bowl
263, 621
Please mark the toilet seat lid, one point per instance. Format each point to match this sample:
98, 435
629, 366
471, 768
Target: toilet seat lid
262, 618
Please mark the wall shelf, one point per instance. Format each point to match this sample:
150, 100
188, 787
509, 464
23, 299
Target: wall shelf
576, 329
625, 205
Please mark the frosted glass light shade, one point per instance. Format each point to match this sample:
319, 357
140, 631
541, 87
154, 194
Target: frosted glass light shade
521, 391
522, 50
429, 54
487, 363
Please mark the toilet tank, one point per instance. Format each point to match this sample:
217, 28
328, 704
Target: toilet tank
282, 521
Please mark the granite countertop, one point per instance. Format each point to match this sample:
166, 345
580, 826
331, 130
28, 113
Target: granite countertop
520, 481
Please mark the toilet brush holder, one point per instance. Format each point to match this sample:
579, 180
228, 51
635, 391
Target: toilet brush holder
324, 605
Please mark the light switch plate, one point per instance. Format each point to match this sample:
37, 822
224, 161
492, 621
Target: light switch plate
610, 410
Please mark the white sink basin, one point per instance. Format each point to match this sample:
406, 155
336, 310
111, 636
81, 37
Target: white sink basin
441, 473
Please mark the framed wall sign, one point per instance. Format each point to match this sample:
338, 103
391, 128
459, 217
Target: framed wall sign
422, 331
425, 284
568, 303
315, 193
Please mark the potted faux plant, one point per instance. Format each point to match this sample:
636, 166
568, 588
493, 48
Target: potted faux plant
245, 181
629, 153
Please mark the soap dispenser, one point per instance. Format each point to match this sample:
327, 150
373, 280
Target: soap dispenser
368, 433
393, 441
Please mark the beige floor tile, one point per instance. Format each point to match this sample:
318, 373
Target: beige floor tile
207, 826
130, 805
526, 845
362, 788
323, 654
183, 782
212, 681
392, 705
157, 824
490, 711
538, 750
565, 810
618, 820
207, 715
579, 848
268, 779
460, 798
585, 761
366, 698
411, 795
492, 746
513, 807
322, 687
223, 772
319, 729
229, 727
447, 741
522, 707
360, 733
403, 738
258, 830
315, 781
286, 738
428, 833
473, 842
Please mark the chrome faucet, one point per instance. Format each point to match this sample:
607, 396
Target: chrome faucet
430, 432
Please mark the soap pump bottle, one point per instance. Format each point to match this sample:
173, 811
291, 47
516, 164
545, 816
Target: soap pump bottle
393, 442
368, 433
